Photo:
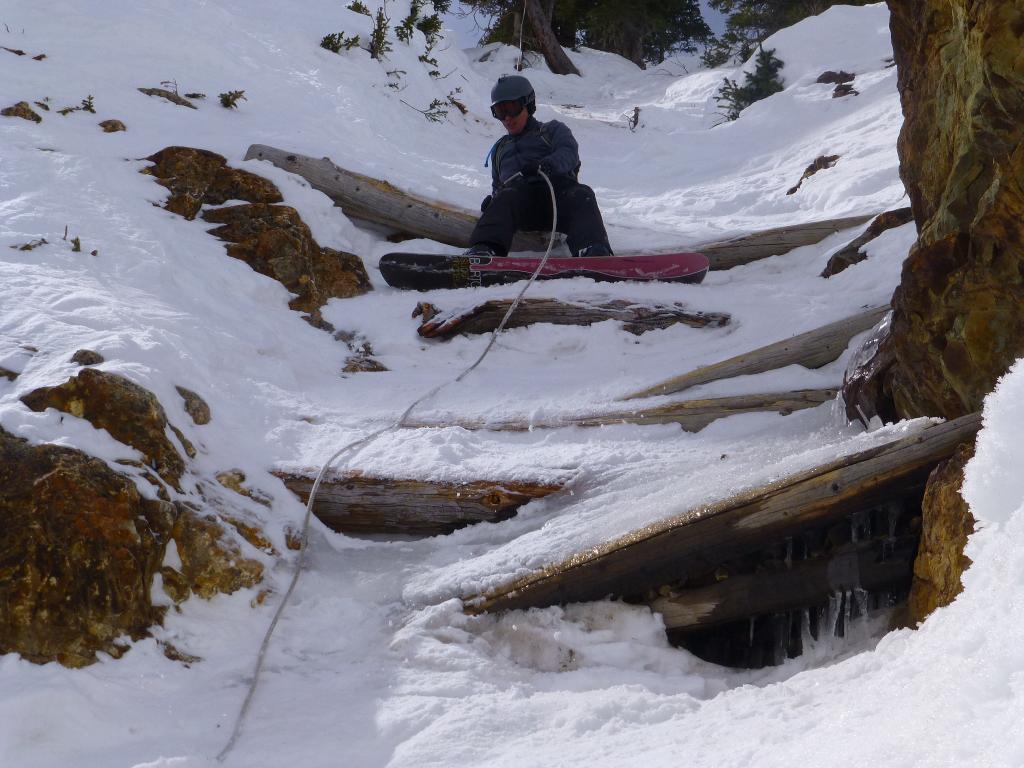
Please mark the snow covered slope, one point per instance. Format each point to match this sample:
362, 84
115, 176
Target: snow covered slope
374, 663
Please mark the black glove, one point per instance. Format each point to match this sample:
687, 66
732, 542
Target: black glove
484, 203
532, 169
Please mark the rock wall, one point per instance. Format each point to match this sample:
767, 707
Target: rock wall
957, 323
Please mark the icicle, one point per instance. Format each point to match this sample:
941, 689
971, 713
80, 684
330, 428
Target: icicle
750, 638
789, 552
861, 595
832, 615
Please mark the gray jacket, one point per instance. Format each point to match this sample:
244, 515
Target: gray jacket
551, 142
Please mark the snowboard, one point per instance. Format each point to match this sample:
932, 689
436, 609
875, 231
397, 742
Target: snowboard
427, 271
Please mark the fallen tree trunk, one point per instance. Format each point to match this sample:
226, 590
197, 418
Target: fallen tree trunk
369, 199
485, 318
356, 504
736, 251
665, 552
373, 200
812, 349
871, 565
691, 415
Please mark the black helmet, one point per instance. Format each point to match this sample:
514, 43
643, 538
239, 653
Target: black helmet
514, 88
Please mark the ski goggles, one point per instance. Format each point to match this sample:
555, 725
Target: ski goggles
504, 110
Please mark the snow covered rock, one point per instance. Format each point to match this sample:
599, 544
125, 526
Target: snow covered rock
80, 547
130, 413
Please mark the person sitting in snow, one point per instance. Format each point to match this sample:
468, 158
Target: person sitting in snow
519, 197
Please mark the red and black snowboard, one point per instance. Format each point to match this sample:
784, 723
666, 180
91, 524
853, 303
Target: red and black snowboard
423, 271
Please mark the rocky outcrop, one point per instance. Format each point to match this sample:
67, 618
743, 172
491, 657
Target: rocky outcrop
270, 238
78, 550
957, 323
946, 524
130, 413
273, 240
198, 177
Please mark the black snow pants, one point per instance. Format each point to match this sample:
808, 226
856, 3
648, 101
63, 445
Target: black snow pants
527, 206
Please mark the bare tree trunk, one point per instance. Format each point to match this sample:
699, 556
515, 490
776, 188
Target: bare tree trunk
555, 57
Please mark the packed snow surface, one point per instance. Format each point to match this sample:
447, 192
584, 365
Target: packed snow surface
374, 662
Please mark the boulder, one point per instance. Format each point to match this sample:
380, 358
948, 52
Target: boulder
112, 126
79, 550
86, 357
946, 524
130, 413
957, 323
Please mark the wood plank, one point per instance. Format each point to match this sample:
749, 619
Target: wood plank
485, 318
725, 254
664, 552
812, 349
369, 199
691, 415
352, 503
871, 565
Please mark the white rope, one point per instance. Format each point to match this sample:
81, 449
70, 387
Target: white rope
301, 558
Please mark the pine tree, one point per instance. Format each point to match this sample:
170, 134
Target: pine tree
757, 85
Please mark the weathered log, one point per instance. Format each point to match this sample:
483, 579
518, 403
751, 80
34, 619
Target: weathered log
812, 349
665, 552
871, 565
726, 254
369, 199
484, 318
355, 504
691, 415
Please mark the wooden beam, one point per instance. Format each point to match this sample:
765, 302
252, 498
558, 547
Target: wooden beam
485, 318
812, 349
369, 199
353, 503
725, 254
664, 552
872, 565
691, 415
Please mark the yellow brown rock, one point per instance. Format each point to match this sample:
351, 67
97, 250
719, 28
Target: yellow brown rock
270, 238
112, 126
210, 562
946, 524
195, 406
274, 241
130, 413
22, 110
78, 550
957, 322
198, 177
